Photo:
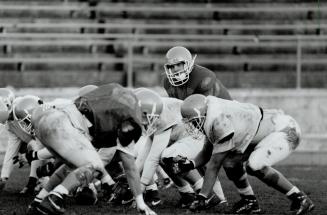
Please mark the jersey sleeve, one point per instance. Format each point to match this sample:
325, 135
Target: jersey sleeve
222, 132
206, 86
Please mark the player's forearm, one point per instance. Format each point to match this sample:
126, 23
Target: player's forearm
209, 178
204, 155
133, 176
148, 171
151, 164
211, 173
143, 153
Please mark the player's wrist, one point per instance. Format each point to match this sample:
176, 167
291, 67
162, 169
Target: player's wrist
140, 201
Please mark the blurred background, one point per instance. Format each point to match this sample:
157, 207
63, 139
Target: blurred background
269, 52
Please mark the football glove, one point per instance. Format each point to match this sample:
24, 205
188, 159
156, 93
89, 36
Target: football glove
199, 203
31, 156
45, 170
179, 164
86, 196
122, 194
107, 190
20, 159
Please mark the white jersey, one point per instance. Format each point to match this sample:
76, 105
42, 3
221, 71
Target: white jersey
224, 118
171, 113
169, 130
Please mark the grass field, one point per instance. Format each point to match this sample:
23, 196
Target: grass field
311, 179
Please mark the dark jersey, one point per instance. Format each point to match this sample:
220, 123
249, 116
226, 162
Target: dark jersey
107, 108
201, 81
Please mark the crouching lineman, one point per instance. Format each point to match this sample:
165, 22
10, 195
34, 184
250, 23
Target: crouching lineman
18, 141
237, 132
166, 138
67, 132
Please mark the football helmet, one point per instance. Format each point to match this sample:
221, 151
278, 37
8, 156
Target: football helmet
179, 65
7, 96
4, 113
22, 112
86, 195
194, 110
86, 89
151, 106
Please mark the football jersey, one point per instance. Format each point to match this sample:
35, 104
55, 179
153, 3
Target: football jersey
226, 118
106, 108
171, 113
201, 81
171, 118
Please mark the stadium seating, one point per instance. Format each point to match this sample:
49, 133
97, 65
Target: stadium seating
65, 43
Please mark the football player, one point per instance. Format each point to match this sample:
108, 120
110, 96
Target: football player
18, 140
237, 132
184, 77
167, 138
68, 131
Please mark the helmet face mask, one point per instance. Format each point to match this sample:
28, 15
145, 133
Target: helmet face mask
151, 106
150, 122
194, 112
179, 65
22, 112
195, 126
26, 124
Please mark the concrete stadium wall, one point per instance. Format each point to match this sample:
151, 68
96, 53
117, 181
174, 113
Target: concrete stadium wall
308, 107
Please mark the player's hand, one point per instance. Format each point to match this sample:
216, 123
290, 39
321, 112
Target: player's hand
179, 164
144, 209
107, 190
31, 156
199, 203
20, 159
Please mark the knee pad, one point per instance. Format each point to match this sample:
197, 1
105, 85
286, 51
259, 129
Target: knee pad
234, 170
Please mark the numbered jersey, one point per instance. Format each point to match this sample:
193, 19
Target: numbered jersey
231, 118
202, 81
106, 108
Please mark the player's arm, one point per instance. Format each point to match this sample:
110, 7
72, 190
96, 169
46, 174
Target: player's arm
160, 142
204, 155
133, 178
211, 173
145, 143
131, 172
206, 86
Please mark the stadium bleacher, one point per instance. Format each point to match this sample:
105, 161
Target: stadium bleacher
70, 43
